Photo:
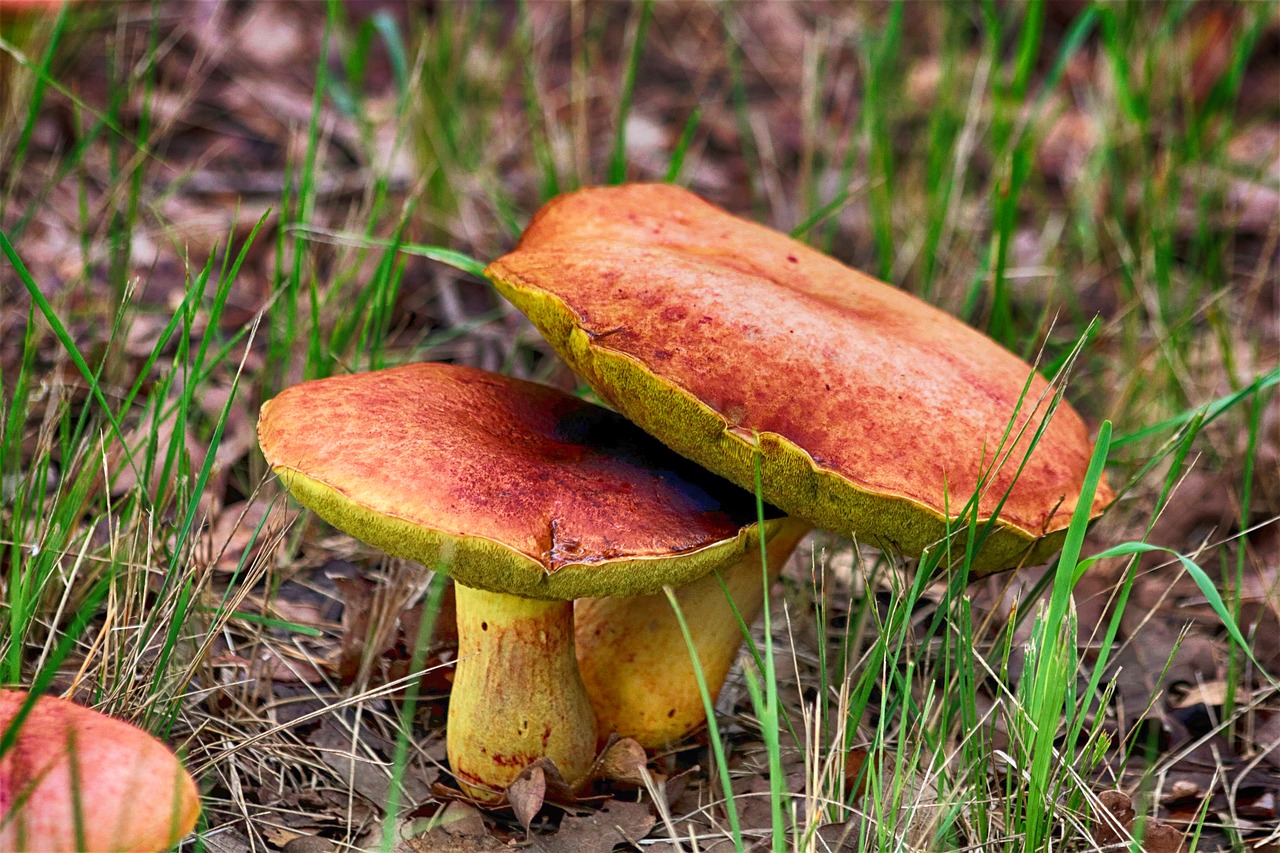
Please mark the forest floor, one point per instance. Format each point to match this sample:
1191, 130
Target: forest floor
212, 201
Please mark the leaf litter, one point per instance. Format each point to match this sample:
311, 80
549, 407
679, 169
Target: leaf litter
231, 110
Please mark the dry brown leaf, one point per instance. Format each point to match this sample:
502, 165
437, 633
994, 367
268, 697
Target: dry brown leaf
439, 842
240, 525
854, 782
623, 760
1118, 826
143, 334
1208, 693
308, 844
1113, 827
125, 476
280, 835
458, 828
357, 595
353, 760
1065, 151
281, 665
269, 36
1160, 837
227, 840
239, 430
1266, 739
1184, 789
601, 831
526, 794
1212, 39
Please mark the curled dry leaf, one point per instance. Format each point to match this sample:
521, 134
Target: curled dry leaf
1114, 817
1116, 824
527, 793
623, 760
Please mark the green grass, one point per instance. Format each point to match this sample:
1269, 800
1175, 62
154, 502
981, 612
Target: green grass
111, 588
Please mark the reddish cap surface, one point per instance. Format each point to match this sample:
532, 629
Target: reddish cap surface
877, 414
133, 794
512, 486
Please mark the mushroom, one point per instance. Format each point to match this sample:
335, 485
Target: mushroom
629, 649
529, 498
74, 779
17, 8
871, 413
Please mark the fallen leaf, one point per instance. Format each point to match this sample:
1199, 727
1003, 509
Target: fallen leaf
1113, 818
309, 844
279, 836
601, 831
459, 828
352, 759
527, 793
1160, 837
855, 782
1064, 153
240, 526
1211, 42
623, 760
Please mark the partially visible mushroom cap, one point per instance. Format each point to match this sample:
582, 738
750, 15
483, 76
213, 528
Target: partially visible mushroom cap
76, 779
507, 485
14, 8
876, 414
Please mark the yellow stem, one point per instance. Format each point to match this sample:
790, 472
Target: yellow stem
517, 696
633, 658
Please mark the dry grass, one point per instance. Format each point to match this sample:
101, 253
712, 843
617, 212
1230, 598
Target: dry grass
174, 183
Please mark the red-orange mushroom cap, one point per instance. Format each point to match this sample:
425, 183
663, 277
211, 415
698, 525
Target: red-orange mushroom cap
530, 491
75, 779
874, 414
14, 8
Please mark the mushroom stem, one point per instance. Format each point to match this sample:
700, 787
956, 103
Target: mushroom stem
629, 649
517, 695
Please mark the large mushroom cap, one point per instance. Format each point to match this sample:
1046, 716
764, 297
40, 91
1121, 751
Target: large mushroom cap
876, 414
508, 485
74, 779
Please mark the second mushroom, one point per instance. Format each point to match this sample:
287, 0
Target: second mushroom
529, 498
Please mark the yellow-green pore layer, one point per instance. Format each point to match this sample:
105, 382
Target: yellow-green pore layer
873, 414
506, 485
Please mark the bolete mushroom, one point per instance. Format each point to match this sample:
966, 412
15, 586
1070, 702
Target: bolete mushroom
529, 498
631, 651
871, 413
74, 779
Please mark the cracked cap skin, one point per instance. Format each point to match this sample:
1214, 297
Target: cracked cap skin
507, 485
875, 414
